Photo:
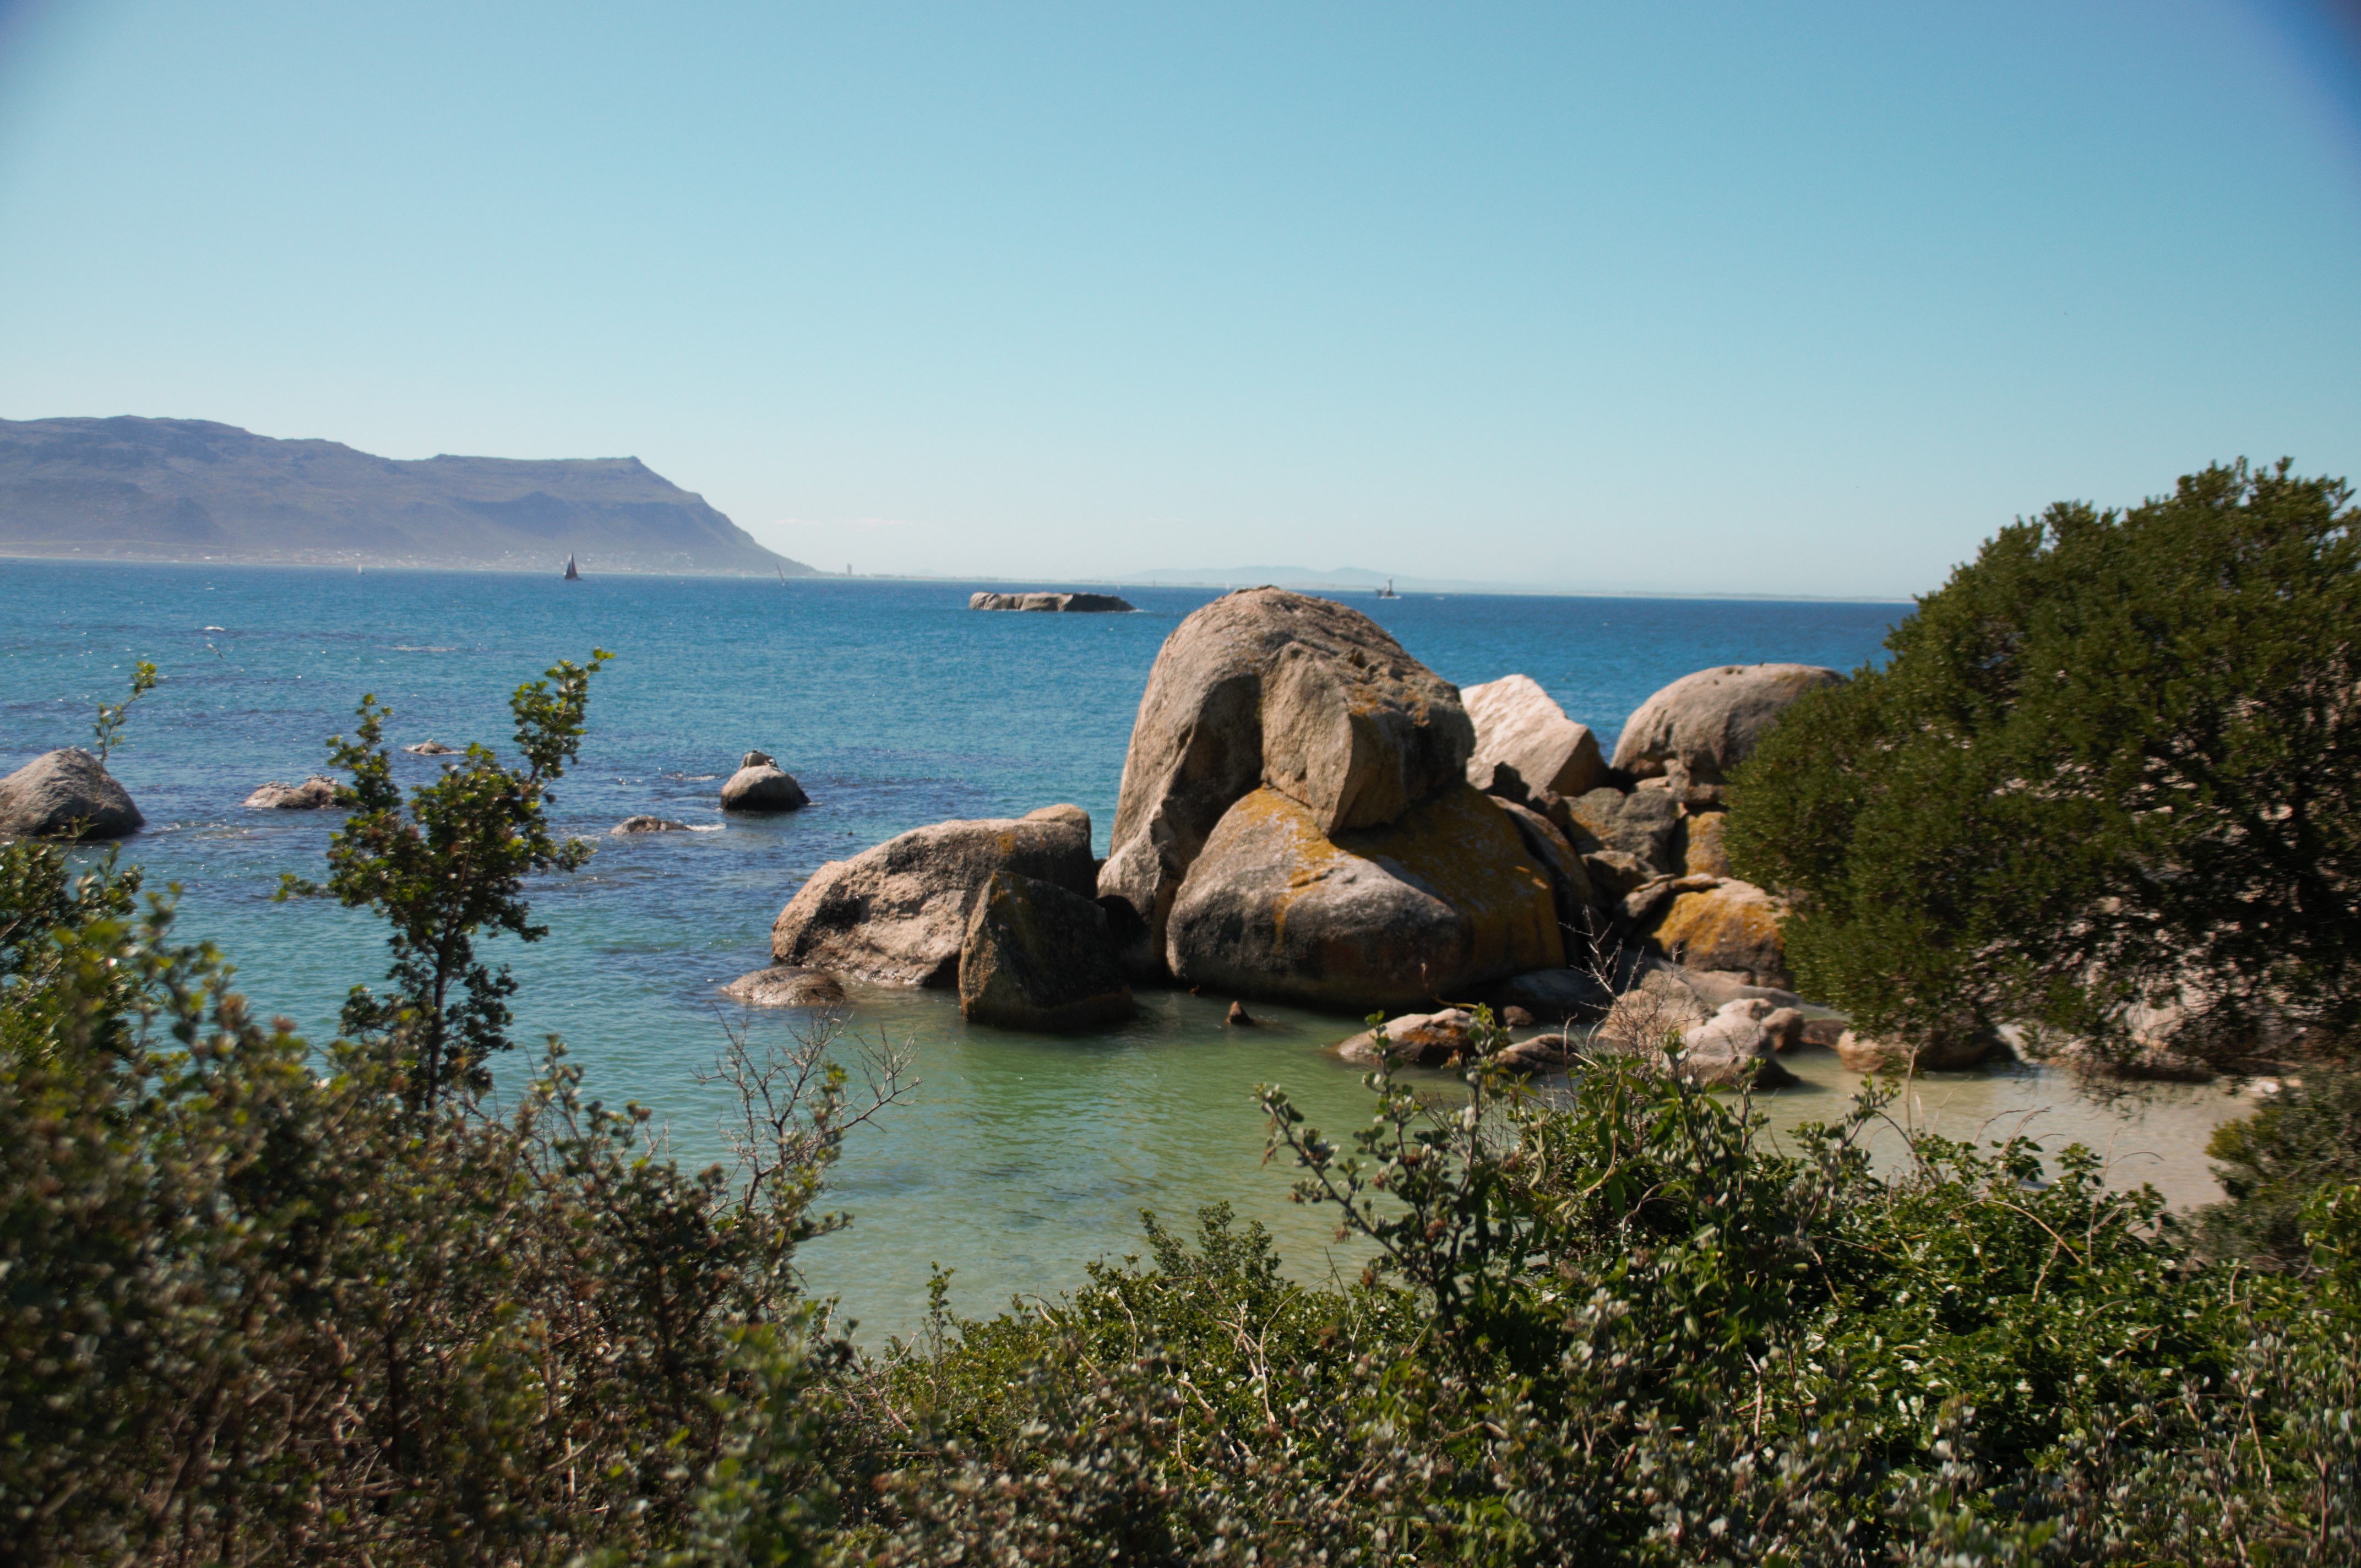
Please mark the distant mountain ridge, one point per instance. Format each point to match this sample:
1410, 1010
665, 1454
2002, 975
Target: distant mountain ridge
193, 490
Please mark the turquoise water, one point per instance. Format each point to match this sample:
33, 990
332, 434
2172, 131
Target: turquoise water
1014, 1159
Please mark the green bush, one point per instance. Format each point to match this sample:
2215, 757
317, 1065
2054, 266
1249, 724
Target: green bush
2111, 765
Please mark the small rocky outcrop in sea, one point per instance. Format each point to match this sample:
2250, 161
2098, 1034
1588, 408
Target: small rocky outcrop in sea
1039, 957
314, 794
66, 793
647, 825
1519, 726
785, 985
432, 749
1705, 724
1100, 604
898, 915
1718, 1047
761, 784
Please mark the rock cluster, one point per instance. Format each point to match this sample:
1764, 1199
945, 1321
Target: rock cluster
1295, 821
66, 793
1101, 603
314, 794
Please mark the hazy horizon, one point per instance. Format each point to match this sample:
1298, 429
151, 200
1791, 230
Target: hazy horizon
1725, 301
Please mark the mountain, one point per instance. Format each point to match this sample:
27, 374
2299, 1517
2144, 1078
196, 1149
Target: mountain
190, 489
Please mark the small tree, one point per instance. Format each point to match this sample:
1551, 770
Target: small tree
108, 732
450, 865
2111, 769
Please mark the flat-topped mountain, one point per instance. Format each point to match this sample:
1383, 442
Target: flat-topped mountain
191, 489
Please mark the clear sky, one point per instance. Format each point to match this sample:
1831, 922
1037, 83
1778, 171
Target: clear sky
1745, 298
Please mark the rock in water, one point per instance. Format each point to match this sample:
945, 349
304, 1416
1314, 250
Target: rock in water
1239, 1017
898, 914
1554, 996
431, 749
1519, 725
1268, 687
647, 825
761, 784
1446, 900
1099, 604
1733, 1047
1707, 723
1543, 1053
1515, 1017
65, 793
1947, 1051
314, 793
1416, 1039
1733, 925
1039, 957
783, 985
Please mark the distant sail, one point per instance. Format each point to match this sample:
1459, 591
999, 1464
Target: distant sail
571, 575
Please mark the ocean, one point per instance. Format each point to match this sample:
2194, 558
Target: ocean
1014, 1160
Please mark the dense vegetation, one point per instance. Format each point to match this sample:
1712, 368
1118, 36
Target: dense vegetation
268, 1303
2104, 787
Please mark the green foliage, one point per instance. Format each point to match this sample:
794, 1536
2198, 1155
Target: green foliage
2112, 763
451, 865
2306, 1139
108, 732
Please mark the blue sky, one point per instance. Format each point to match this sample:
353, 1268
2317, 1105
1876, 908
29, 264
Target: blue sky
1694, 298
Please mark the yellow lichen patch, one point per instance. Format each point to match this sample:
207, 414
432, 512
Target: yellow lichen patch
1468, 851
1705, 856
1733, 926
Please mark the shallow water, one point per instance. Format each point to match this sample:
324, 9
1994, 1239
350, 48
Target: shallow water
1014, 1159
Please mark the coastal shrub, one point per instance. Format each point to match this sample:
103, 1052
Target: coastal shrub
2106, 779
444, 865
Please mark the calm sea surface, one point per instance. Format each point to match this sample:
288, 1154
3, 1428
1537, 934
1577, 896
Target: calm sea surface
1017, 1159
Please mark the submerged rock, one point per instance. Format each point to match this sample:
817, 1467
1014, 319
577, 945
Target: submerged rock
1239, 1018
1519, 726
1445, 901
1270, 689
314, 794
66, 793
1039, 957
432, 749
783, 985
1416, 1039
1704, 725
898, 915
647, 825
1944, 1051
761, 784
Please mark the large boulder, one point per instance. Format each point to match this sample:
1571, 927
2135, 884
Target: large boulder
1642, 824
65, 793
1519, 726
898, 914
1704, 725
1264, 688
314, 794
1730, 926
1039, 957
761, 784
1445, 901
